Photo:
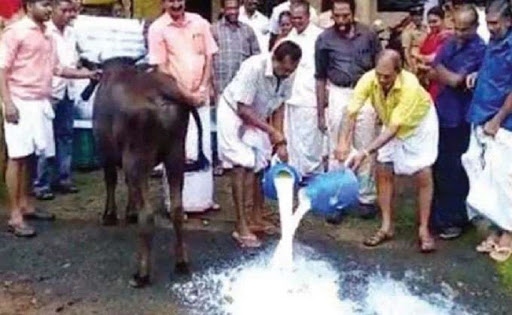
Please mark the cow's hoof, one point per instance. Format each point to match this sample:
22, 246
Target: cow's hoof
139, 282
109, 220
182, 268
132, 219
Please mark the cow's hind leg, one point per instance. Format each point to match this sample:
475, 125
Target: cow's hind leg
175, 182
131, 215
110, 213
137, 173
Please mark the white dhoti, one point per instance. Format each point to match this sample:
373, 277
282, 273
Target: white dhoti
240, 145
364, 133
198, 190
489, 171
415, 152
34, 131
306, 143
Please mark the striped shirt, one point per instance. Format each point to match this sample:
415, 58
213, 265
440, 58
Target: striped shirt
236, 42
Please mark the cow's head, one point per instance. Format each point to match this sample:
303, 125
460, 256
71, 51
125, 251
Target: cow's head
105, 65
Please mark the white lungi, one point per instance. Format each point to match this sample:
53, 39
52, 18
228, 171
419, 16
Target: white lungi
415, 152
240, 145
487, 164
197, 194
306, 143
34, 131
364, 133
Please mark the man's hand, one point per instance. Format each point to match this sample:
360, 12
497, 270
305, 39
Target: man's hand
282, 152
341, 153
11, 113
277, 137
491, 127
471, 80
94, 75
322, 124
355, 162
198, 97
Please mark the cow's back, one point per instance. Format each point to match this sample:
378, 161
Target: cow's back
131, 114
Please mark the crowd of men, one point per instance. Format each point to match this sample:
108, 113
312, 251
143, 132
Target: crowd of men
317, 91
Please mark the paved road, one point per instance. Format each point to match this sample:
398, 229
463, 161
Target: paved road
81, 268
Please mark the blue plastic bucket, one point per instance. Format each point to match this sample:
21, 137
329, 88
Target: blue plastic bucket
332, 191
278, 169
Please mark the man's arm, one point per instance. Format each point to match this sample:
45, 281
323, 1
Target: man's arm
9, 44
250, 117
211, 49
361, 94
253, 42
493, 125
10, 112
447, 77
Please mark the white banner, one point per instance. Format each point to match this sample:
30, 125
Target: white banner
101, 38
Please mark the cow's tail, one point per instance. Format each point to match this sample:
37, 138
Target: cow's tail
202, 162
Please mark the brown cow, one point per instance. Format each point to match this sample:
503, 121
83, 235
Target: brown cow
140, 119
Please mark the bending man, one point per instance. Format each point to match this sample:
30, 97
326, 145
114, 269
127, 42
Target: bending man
407, 144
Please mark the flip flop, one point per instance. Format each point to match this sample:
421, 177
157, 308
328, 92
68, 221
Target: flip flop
487, 246
249, 241
501, 254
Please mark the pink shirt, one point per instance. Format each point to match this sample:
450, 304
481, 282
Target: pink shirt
29, 57
181, 47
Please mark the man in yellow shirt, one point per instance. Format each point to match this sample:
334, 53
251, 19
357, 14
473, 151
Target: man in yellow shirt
407, 144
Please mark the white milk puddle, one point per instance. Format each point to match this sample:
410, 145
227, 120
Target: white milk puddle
279, 283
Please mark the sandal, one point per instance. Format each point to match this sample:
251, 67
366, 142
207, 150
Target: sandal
487, 246
378, 238
21, 230
249, 241
501, 254
264, 227
427, 244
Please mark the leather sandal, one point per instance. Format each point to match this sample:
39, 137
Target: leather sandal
378, 238
426, 244
21, 230
39, 215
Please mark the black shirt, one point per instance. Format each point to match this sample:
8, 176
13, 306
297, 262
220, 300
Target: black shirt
344, 60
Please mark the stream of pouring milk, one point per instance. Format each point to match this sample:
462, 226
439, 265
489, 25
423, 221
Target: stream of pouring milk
283, 256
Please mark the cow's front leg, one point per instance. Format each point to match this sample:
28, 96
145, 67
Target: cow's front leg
175, 182
109, 216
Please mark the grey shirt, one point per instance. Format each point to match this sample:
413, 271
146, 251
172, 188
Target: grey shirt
236, 43
344, 60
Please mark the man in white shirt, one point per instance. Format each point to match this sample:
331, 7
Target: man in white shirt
305, 140
257, 20
276, 12
63, 94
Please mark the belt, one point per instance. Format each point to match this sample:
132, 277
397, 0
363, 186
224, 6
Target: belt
346, 85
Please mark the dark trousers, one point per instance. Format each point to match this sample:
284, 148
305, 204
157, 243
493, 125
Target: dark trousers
451, 184
63, 131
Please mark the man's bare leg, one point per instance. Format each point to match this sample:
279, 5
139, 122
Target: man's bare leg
258, 222
12, 181
425, 188
26, 202
242, 233
15, 182
385, 188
